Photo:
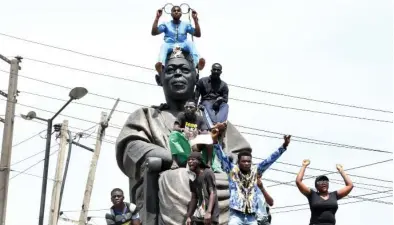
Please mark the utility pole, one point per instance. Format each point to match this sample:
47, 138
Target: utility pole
92, 171
8, 134
54, 210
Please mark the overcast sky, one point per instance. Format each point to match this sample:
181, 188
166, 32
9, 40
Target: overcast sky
336, 50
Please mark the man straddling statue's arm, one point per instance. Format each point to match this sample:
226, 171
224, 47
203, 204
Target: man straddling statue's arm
187, 126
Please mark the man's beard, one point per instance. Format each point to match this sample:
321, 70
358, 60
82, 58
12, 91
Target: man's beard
215, 76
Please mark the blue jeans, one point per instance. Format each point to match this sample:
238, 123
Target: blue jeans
239, 218
186, 46
216, 117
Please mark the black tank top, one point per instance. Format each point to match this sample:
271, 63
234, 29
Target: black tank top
323, 211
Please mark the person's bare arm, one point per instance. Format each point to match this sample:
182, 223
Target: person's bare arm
155, 28
267, 197
197, 29
305, 190
343, 192
192, 206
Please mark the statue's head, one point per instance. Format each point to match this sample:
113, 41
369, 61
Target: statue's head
178, 77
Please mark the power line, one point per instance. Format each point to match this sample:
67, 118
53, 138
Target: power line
316, 141
357, 196
353, 168
294, 173
241, 100
33, 175
302, 209
311, 168
23, 171
309, 140
29, 157
151, 69
27, 139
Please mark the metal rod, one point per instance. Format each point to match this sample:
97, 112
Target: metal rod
61, 109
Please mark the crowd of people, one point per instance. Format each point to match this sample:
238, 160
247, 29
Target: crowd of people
196, 143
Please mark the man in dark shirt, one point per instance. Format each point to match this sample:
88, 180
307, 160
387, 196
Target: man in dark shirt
214, 95
189, 122
204, 193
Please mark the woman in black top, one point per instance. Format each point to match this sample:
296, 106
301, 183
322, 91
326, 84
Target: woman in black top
322, 203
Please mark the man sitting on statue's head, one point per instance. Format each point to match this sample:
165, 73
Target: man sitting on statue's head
175, 36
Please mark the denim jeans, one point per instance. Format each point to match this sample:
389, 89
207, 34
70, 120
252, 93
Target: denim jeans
239, 218
186, 46
216, 117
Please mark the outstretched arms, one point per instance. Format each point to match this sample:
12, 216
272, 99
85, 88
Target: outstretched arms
266, 163
305, 190
343, 192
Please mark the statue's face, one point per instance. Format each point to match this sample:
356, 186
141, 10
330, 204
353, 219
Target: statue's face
178, 79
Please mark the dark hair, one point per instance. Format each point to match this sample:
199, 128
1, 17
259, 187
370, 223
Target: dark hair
244, 153
175, 6
116, 189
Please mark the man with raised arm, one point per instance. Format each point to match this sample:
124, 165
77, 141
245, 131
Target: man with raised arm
175, 36
243, 178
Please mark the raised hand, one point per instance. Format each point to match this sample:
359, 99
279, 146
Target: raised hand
287, 140
339, 167
306, 162
215, 135
159, 13
194, 15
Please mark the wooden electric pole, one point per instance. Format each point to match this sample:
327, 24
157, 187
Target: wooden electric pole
8, 132
92, 171
54, 210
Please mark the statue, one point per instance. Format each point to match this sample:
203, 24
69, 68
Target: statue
158, 188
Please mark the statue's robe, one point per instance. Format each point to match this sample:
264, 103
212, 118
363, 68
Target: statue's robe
154, 126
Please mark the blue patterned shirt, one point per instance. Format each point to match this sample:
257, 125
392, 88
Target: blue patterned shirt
176, 33
244, 199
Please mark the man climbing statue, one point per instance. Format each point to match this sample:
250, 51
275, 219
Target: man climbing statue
175, 36
214, 95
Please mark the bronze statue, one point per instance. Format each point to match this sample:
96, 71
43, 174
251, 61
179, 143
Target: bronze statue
158, 187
